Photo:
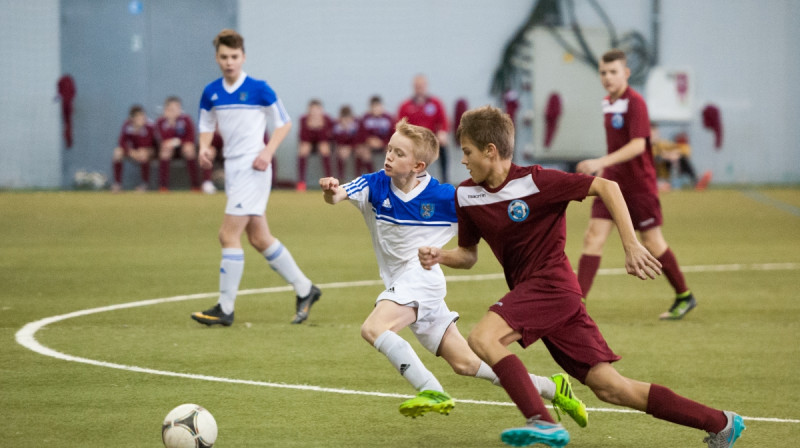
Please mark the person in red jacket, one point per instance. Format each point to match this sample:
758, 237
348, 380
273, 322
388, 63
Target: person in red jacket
426, 110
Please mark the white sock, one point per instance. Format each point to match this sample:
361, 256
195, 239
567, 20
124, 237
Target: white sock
545, 386
281, 261
230, 274
406, 361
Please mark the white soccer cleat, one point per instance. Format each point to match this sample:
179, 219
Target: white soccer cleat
208, 187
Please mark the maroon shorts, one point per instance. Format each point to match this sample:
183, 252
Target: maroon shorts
645, 210
560, 320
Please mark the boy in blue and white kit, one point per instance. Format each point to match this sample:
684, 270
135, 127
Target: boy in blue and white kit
240, 108
405, 208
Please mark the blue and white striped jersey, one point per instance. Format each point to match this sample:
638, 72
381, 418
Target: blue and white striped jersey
241, 113
401, 223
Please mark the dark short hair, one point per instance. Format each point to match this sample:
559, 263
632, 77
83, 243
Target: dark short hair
229, 38
173, 99
375, 99
614, 54
135, 109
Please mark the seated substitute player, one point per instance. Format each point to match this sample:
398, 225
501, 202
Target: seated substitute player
629, 163
377, 127
405, 207
346, 136
240, 108
521, 213
176, 132
137, 141
316, 132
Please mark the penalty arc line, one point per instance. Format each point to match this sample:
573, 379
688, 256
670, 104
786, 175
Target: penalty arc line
26, 336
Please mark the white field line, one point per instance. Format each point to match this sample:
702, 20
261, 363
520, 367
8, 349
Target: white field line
26, 336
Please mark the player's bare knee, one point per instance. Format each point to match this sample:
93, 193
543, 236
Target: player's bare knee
478, 344
464, 366
370, 332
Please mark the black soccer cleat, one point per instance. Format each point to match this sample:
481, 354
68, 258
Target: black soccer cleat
304, 304
213, 316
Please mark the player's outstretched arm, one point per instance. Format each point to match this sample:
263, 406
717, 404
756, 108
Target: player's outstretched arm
594, 167
638, 261
458, 258
331, 191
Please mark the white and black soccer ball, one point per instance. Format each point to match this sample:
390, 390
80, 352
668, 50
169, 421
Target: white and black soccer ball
189, 426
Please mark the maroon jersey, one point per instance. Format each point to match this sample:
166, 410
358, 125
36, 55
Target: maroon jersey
315, 135
430, 114
523, 221
182, 129
347, 135
380, 126
626, 119
131, 138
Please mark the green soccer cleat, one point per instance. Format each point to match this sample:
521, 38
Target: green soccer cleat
679, 308
427, 401
728, 436
567, 402
536, 431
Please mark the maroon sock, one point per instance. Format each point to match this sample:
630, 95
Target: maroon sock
667, 405
514, 378
191, 167
671, 270
207, 174
117, 167
587, 270
340, 168
146, 172
301, 168
326, 165
163, 173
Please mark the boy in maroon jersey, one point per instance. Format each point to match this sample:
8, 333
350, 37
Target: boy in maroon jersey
137, 140
521, 213
176, 131
426, 110
629, 163
347, 136
316, 132
377, 128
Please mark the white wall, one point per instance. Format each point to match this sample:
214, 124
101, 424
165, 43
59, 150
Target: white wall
741, 52
30, 146
345, 51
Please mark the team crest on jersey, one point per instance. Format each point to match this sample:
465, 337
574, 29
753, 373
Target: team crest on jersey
243, 96
518, 210
617, 121
426, 210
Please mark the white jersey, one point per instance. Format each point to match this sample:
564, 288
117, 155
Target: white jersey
400, 223
241, 113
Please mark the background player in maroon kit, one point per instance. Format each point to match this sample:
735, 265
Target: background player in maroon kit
377, 128
346, 135
427, 111
521, 213
316, 131
176, 131
137, 142
629, 162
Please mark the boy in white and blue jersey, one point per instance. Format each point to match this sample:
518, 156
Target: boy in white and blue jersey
240, 108
405, 208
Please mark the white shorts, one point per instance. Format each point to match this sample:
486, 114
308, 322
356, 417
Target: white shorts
247, 189
424, 290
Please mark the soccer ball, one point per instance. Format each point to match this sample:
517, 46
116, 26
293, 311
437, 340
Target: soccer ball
189, 426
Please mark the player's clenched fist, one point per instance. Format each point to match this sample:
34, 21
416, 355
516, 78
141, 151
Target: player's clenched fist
429, 256
329, 184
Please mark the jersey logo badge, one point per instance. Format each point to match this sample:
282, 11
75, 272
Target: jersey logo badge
386, 203
214, 97
426, 210
518, 210
617, 121
243, 96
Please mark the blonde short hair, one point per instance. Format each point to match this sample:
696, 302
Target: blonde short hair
425, 143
